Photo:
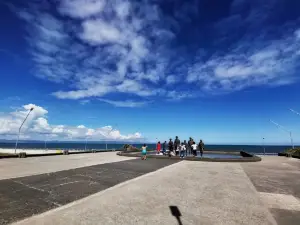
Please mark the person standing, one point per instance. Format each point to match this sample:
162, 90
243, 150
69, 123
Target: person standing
170, 146
182, 150
190, 143
164, 146
144, 152
194, 147
176, 144
158, 147
201, 147
177, 150
185, 147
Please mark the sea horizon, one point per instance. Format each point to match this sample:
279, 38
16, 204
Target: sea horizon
135, 142
101, 145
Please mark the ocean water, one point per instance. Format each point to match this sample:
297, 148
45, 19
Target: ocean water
101, 146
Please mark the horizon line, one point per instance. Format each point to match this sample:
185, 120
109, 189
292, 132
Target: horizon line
139, 142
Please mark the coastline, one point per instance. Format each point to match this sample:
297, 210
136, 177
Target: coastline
89, 146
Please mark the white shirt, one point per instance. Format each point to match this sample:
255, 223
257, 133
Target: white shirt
194, 146
183, 148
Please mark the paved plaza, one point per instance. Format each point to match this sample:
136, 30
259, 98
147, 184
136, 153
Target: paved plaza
104, 188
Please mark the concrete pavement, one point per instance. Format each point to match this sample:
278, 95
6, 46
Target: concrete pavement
18, 167
205, 193
25, 196
265, 192
277, 179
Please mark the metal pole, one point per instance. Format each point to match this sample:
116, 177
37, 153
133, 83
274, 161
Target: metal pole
45, 142
17, 142
292, 140
264, 146
290, 131
20, 130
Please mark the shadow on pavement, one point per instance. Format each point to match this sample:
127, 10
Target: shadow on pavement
176, 213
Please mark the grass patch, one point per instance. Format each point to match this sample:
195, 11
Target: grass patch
5, 154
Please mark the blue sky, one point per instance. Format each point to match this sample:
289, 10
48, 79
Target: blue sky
130, 70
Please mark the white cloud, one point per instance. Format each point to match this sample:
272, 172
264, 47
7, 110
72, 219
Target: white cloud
58, 129
248, 65
98, 90
99, 32
171, 79
177, 96
297, 34
84, 102
37, 126
126, 47
132, 86
127, 86
40, 125
120, 47
123, 9
81, 8
126, 103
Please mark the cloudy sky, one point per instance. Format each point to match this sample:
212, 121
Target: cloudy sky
212, 69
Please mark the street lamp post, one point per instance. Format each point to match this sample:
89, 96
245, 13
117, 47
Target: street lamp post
20, 130
291, 139
263, 142
284, 129
46, 139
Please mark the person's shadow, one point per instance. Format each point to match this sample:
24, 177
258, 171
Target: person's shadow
176, 213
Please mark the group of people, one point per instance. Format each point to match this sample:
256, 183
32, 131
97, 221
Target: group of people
178, 148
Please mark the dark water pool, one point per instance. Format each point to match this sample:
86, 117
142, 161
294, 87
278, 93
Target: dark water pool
221, 156
215, 156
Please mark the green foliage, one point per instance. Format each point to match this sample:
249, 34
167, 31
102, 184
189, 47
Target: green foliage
5, 154
295, 151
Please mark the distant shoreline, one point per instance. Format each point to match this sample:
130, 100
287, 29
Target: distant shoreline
129, 142
96, 146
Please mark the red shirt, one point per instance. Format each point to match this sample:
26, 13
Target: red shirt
158, 147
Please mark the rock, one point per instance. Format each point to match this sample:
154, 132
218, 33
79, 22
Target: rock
130, 148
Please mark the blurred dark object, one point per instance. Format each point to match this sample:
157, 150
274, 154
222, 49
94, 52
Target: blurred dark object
176, 213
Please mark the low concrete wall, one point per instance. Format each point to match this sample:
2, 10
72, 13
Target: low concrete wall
10, 153
31, 151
